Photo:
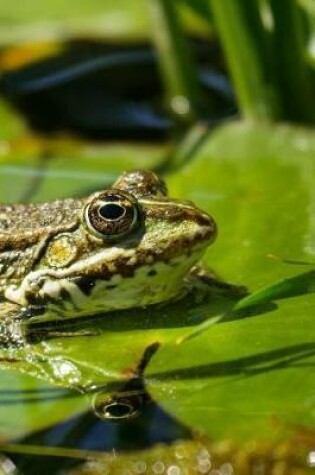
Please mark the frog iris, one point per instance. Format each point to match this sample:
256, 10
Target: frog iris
111, 214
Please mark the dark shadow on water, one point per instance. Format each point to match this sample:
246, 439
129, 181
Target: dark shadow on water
100, 90
87, 432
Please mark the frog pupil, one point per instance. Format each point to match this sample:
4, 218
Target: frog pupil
112, 211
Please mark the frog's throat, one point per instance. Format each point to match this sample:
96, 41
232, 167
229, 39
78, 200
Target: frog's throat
64, 297
44, 285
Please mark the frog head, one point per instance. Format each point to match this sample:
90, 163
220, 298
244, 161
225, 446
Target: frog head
128, 246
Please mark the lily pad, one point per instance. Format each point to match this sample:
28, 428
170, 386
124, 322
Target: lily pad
229, 381
253, 376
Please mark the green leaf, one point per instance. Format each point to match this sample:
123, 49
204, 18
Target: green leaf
300, 284
250, 377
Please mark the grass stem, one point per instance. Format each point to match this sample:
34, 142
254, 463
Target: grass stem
176, 62
245, 43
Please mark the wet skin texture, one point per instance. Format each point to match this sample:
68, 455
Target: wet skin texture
127, 246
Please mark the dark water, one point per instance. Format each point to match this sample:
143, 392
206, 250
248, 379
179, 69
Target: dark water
106, 91
88, 433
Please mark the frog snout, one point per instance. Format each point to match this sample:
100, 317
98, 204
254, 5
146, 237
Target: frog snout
207, 228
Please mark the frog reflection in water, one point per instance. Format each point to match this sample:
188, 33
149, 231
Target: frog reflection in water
122, 247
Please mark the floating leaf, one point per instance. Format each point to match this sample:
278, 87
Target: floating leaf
250, 377
227, 382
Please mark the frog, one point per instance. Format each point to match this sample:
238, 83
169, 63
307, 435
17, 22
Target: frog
125, 246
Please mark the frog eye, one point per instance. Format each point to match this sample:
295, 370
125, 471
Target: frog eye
111, 214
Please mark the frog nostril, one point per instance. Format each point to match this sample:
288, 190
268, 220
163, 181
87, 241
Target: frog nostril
112, 211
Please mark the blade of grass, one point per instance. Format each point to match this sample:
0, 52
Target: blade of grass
287, 288
290, 61
245, 43
295, 286
199, 329
176, 62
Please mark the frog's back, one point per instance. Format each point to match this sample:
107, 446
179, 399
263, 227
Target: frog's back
25, 230
25, 219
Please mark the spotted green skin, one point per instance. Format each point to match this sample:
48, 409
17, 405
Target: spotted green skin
53, 267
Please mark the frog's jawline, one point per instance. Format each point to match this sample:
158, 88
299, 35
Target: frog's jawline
58, 291
89, 296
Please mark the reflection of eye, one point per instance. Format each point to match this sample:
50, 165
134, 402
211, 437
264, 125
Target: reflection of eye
111, 214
